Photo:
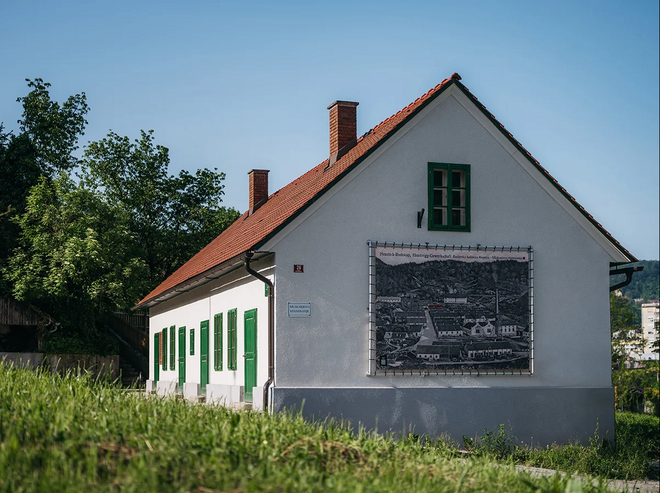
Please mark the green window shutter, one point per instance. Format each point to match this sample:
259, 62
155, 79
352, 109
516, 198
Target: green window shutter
231, 340
164, 353
172, 347
182, 357
217, 342
155, 374
203, 355
192, 342
449, 197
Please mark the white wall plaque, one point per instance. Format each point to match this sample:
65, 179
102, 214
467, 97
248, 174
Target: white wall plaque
299, 309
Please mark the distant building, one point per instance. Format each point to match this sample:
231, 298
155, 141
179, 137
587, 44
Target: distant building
461, 299
650, 317
481, 349
630, 341
436, 352
486, 329
511, 330
389, 299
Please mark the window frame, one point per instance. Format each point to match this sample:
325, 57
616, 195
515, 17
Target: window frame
449, 167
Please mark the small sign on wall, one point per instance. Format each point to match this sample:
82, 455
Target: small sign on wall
298, 268
299, 309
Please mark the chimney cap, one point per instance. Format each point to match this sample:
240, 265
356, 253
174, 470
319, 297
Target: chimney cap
343, 103
258, 171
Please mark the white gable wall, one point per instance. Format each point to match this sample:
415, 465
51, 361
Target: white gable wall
380, 202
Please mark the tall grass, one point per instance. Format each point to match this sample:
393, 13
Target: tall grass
631, 457
74, 433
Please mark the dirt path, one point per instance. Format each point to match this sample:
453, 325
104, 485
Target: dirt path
613, 484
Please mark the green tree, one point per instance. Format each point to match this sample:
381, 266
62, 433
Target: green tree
79, 249
635, 382
53, 129
49, 132
170, 217
75, 257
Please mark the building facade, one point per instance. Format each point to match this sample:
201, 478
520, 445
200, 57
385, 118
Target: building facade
326, 291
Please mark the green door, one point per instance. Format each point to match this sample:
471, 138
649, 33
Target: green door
250, 338
204, 356
182, 357
156, 375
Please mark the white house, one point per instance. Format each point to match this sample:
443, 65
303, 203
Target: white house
289, 303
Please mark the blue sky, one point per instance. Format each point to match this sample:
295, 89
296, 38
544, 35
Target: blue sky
242, 85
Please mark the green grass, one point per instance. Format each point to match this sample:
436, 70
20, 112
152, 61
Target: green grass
637, 445
77, 434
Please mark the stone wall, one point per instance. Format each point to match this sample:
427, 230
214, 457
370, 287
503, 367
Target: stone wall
61, 363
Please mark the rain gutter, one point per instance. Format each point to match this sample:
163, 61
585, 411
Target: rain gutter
271, 325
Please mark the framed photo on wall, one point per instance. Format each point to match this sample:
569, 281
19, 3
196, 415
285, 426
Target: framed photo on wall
447, 309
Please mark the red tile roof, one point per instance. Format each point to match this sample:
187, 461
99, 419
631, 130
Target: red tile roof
249, 232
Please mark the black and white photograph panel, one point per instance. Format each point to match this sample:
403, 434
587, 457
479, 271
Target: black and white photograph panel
446, 308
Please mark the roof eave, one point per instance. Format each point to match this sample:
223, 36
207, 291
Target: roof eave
224, 268
629, 256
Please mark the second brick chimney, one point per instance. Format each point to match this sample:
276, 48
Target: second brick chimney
258, 188
343, 125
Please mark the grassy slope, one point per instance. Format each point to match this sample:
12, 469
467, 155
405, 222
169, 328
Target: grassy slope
637, 443
68, 434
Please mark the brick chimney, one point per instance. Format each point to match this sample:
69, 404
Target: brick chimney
343, 126
258, 188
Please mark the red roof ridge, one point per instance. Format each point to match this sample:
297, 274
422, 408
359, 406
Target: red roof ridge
251, 231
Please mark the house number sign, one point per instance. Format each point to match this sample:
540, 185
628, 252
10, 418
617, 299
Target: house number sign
299, 309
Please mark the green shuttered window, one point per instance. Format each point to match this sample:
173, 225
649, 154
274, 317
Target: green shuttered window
217, 342
449, 197
192, 342
231, 340
172, 347
163, 337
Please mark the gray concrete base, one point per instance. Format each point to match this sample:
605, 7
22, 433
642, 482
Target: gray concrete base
191, 391
533, 415
217, 394
165, 388
225, 395
150, 386
258, 398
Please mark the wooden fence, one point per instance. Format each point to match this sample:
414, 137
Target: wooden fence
135, 335
14, 312
137, 320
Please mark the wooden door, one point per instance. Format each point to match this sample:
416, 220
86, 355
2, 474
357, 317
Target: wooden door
204, 356
156, 374
250, 356
182, 357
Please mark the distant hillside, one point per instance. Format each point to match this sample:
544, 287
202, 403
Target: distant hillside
646, 284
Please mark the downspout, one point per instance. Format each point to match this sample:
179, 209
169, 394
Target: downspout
628, 271
271, 325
